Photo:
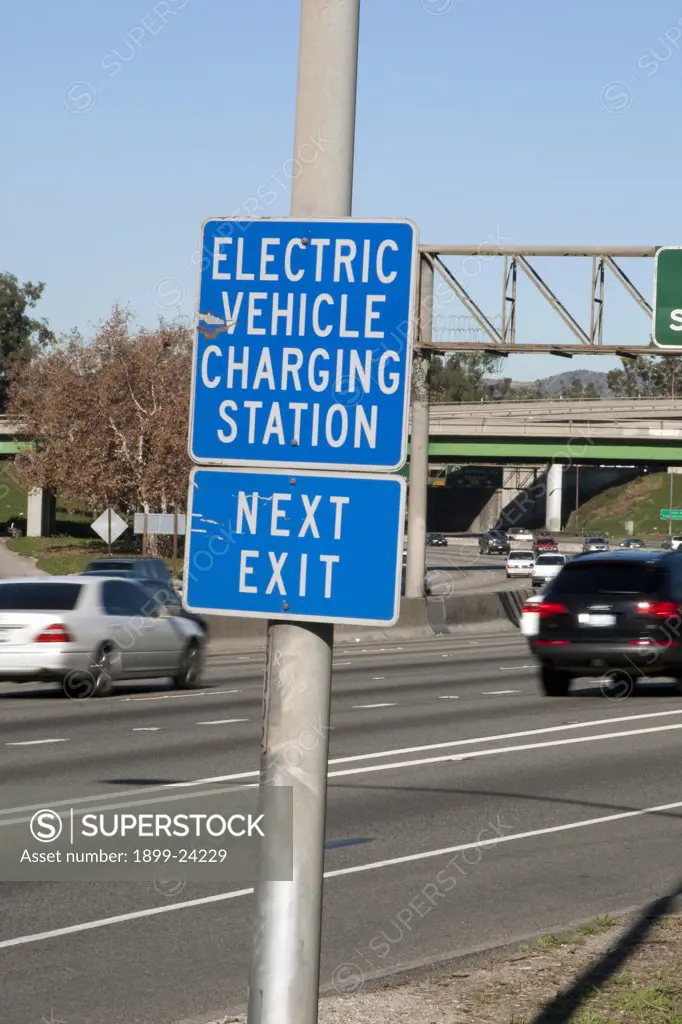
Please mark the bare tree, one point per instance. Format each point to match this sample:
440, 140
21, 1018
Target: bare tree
109, 416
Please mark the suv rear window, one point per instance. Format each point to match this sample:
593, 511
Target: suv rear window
550, 560
610, 577
101, 565
39, 597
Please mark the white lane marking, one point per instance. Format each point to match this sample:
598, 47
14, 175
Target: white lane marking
503, 736
243, 657
254, 774
146, 728
224, 721
178, 696
513, 668
449, 698
166, 696
356, 869
33, 743
393, 765
358, 706
375, 678
498, 693
335, 664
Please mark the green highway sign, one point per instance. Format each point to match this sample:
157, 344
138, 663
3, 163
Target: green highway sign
675, 513
667, 315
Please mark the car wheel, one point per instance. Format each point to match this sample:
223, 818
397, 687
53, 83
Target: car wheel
188, 676
97, 681
554, 683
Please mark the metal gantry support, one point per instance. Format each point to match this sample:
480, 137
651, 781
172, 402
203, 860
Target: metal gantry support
588, 341
419, 439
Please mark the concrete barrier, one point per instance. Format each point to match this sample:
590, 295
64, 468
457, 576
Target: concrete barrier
419, 618
232, 633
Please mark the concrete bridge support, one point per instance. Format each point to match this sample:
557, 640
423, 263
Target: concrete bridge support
40, 514
555, 477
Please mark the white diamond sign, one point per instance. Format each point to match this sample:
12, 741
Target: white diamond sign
109, 526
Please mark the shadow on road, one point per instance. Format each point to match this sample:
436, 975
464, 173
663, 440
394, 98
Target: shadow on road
447, 792
565, 1005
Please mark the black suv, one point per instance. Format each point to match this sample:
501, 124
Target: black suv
436, 540
617, 616
139, 568
494, 542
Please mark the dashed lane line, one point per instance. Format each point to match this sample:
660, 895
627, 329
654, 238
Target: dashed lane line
354, 869
224, 721
34, 743
359, 707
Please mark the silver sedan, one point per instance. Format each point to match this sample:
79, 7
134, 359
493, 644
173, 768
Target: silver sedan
86, 632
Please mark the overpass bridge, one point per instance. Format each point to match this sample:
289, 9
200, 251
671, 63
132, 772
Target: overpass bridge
535, 442
634, 431
542, 436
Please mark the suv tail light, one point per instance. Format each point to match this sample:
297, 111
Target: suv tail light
57, 633
546, 609
658, 609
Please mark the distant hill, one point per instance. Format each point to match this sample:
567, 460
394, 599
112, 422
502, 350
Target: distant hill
560, 381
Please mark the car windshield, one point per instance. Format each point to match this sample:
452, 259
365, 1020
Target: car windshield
609, 577
39, 597
596, 540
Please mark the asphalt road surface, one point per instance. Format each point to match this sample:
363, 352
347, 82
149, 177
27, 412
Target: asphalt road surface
465, 811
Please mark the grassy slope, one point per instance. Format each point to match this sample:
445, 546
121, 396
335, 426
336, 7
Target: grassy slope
639, 500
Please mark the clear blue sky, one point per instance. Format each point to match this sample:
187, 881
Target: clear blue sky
478, 119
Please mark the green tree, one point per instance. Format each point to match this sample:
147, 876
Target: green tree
461, 378
647, 377
533, 391
21, 335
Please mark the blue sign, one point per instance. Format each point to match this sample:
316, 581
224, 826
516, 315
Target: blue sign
311, 546
302, 354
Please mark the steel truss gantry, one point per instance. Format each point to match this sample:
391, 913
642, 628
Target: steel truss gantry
500, 331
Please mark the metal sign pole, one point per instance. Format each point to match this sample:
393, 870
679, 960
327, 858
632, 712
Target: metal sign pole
285, 966
109, 531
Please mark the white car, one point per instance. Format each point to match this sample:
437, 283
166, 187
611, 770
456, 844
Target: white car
520, 563
519, 535
530, 616
85, 632
546, 567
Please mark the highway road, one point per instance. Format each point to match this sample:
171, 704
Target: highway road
465, 811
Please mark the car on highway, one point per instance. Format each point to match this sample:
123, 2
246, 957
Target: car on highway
615, 616
546, 567
544, 542
140, 568
87, 632
520, 535
520, 563
436, 540
595, 543
528, 619
494, 542
671, 543
631, 543
162, 594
